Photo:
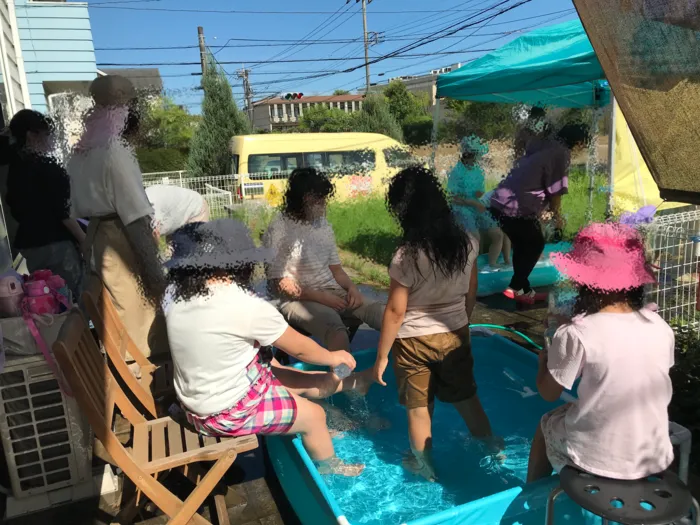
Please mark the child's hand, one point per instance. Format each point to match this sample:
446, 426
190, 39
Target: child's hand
379, 369
341, 357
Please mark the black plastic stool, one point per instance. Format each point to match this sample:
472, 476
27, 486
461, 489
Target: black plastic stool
655, 500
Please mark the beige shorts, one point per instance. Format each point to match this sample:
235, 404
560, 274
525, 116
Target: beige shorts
323, 322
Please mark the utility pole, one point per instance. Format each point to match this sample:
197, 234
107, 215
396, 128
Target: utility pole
364, 28
202, 49
247, 91
365, 38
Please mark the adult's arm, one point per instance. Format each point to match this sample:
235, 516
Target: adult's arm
149, 269
76, 231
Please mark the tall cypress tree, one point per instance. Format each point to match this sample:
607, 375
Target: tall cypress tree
221, 120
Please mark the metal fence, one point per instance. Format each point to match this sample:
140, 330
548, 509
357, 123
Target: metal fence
674, 242
221, 192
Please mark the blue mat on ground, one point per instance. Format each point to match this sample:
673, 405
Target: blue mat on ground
544, 274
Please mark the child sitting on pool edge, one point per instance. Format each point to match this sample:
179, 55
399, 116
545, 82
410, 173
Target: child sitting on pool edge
426, 321
216, 327
622, 351
466, 186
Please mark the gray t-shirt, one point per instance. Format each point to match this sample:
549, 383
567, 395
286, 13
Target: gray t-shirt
174, 206
436, 304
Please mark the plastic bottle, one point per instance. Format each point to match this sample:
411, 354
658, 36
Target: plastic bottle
561, 307
342, 371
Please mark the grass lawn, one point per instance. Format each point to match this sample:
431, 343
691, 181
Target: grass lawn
368, 236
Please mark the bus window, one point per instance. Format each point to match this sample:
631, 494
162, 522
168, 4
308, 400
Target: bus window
270, 167
234, 164
342, 161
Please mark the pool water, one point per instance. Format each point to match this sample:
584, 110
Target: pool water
385, 493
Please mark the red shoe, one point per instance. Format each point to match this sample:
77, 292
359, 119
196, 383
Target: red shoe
521, 296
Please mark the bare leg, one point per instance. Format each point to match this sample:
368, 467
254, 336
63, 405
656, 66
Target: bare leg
320, 385
474, 416
337, 340
538, 466
311, 424
421, 438
507, 247
496, 237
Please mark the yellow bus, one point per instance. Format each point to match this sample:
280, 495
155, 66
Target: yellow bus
358, 163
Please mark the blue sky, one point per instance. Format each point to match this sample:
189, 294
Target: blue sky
150, 23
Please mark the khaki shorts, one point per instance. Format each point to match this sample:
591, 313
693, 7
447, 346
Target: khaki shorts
433, 365
322, 322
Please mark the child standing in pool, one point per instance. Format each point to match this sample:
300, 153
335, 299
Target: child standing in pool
426, 321
622, 351
466, 187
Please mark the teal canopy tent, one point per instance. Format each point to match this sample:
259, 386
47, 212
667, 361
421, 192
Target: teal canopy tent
553, 66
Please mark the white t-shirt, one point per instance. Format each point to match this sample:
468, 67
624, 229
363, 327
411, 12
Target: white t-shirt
303, 251
174, 206
618, 427
213, 340
106, 180
436, 304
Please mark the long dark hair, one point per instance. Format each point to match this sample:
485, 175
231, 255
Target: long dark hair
417, 201
303, 184
591, 300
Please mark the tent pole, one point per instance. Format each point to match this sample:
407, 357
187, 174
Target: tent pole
590, 164
611, 159
434, 134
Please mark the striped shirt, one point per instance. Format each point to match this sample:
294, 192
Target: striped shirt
304, 252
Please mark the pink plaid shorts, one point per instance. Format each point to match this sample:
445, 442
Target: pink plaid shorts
267, 408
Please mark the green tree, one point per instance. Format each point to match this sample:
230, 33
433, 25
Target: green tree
221, 120
489, 120
402, 103
376, 117
321, 119
339, 92
167, 125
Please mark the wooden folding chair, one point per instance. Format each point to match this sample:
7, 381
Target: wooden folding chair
155, 381
158, 446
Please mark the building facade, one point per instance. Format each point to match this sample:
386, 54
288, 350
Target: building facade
280, 113
56, 46
418, 84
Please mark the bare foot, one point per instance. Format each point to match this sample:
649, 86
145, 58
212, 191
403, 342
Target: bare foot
337, 466
418, 467
361, 381
377, 423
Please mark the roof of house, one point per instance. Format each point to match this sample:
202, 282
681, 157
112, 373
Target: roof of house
323, 98
143, 79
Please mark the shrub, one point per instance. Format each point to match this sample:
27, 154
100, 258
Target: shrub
417, 130
161, 159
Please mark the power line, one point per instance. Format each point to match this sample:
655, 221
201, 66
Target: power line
434, 36
247, 12
314, 31
286, 61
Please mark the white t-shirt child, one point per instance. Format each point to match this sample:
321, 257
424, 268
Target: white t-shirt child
174, 206
213, 339
618, 427
304, 252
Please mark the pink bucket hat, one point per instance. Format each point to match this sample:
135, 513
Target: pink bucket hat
608, 257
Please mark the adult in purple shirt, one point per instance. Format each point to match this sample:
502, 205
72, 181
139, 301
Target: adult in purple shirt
536, 183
